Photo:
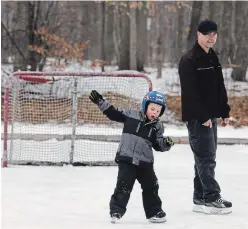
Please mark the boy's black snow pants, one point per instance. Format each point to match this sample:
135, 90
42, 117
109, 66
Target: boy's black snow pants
127, 175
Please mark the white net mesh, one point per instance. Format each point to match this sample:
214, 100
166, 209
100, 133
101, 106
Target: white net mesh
52, 121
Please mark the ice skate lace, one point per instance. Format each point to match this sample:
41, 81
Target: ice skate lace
160, 214
221, 201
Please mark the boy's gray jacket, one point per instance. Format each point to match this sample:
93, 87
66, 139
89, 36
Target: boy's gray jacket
138, 136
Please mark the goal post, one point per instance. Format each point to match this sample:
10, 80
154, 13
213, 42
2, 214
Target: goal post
5, 128
49, 119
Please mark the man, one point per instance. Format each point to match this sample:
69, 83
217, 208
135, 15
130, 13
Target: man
204, 99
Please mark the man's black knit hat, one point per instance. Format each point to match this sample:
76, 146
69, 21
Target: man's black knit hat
207, 26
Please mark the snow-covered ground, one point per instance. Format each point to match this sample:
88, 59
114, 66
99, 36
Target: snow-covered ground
78, 197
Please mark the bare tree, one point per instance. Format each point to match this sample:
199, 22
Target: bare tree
195, 19
103, 31
240, 57
159, 39
133, 38
28, 17
121, 35
13, 42
179, 36
33, 15
12, 33
141, 38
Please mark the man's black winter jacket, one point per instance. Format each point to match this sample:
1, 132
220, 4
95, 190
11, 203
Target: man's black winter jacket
202, 86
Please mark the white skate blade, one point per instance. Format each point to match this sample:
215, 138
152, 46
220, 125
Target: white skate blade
198, 208
217, 211
157, 220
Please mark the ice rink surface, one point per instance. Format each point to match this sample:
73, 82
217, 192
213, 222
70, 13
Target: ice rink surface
78, 197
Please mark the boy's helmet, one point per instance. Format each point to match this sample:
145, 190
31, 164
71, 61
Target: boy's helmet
154, 97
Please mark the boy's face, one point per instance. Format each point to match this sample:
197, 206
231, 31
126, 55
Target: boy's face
153, 111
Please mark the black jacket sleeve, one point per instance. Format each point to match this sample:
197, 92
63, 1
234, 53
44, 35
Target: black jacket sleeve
114, 114
225, 108
191, 101
111, 112
160, 144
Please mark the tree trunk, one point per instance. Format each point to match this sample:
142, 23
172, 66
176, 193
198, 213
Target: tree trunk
116, 32
225, 33
33, 13
221, 39
159, 56
20, 56
121, 36
214, 11
239, 73
240, 57
103, 32
160, 39
195, 19
179, 35
142, 45
133, 39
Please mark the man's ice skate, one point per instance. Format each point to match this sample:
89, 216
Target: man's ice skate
198, 205
220, 206
115, 217
160, 217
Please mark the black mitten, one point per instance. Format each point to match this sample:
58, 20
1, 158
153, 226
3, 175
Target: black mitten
95, 97
168, 141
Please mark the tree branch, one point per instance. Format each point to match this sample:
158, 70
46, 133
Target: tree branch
13, 42
37, 14
5, 71
45, 21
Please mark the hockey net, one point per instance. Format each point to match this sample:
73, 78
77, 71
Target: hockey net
49, 119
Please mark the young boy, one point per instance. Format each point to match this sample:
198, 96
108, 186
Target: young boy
142, 131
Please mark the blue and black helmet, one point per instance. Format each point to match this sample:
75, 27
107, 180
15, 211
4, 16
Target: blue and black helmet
154, 97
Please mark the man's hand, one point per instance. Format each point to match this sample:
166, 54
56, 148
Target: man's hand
168, 141
95, 97
225, 121
208, 123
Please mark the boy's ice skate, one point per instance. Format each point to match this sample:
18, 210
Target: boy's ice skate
160, 217
115, 217
220, 206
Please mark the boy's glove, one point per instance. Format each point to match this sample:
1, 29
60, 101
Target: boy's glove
95, 97
168, 141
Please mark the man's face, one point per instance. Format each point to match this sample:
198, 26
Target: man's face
207, 40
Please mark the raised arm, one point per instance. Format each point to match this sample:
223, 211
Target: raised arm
108, 109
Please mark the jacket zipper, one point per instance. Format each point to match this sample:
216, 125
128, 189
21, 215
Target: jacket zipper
148, 123
150, 132
138, 127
